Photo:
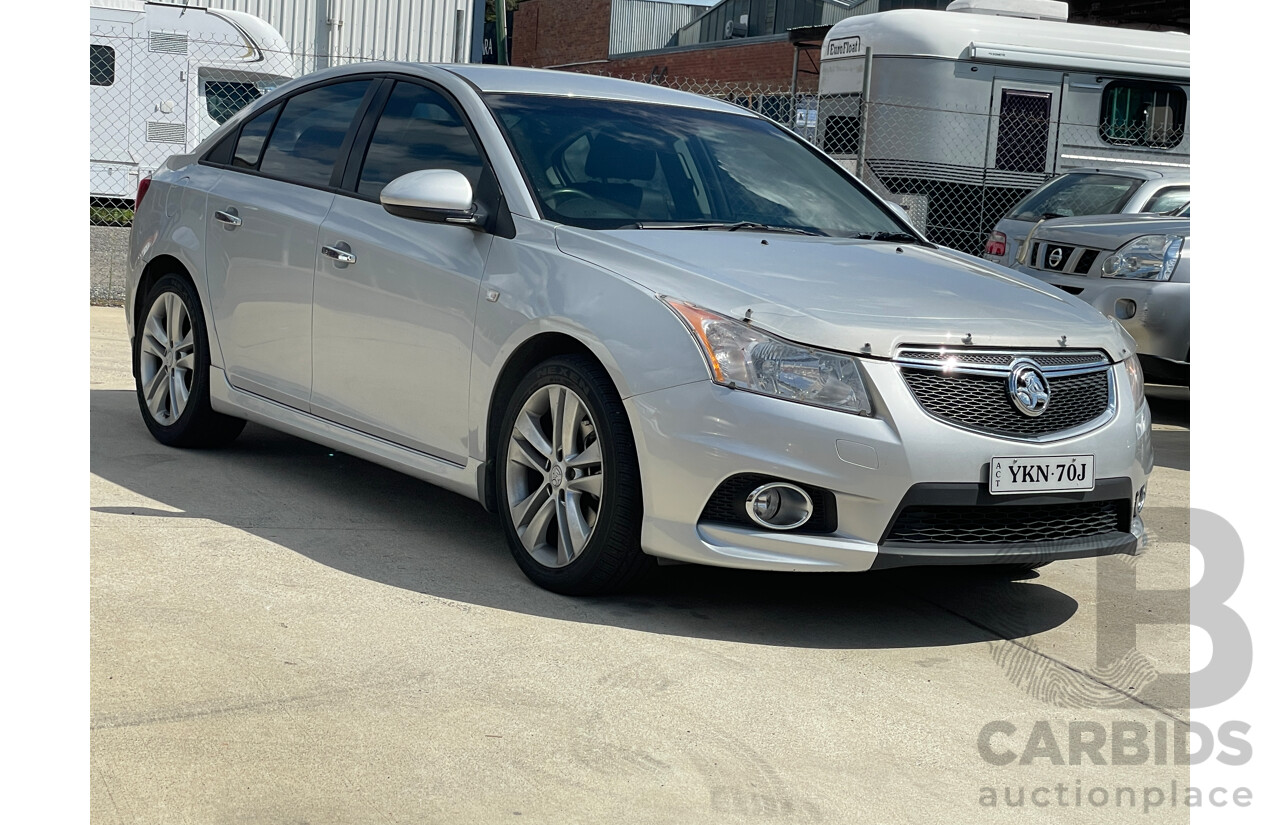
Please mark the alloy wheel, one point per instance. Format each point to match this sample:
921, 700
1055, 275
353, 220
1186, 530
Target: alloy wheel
168, 358
555, 475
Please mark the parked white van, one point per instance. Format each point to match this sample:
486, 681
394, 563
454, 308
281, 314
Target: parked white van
969, 109
162, 77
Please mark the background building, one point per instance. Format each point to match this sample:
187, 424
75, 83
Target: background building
736, 41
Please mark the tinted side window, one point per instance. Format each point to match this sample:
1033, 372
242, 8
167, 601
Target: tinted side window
252, 135
102, 65
304, 145
1169, 199
419, 129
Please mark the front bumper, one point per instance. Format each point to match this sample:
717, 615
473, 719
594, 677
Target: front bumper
691, 438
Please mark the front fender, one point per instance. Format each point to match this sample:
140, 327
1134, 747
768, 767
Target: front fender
639, 340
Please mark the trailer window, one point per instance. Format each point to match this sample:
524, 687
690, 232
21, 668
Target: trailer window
223, 98
1143, 113
102, 65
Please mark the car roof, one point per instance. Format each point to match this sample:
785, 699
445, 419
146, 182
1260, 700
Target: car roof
1176, 174
519, 80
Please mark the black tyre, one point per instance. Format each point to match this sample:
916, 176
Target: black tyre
568, 482
171, 369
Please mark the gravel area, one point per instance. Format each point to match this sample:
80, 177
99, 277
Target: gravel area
108, 258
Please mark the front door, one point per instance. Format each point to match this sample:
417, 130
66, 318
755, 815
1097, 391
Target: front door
393, 328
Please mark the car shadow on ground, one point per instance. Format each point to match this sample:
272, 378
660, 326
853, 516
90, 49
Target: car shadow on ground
375, 523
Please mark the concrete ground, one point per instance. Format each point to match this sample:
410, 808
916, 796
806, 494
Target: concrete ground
284, 634
108, 264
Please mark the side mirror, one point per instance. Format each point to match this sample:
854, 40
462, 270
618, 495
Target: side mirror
437, 195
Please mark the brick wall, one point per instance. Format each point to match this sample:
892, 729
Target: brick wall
767, 62
556, 32
560, 33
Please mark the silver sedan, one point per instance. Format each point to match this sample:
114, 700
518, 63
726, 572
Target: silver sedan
636, 324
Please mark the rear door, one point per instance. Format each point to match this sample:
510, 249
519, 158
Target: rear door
264, 216
393, 328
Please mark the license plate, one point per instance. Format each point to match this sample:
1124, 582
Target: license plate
1040, 474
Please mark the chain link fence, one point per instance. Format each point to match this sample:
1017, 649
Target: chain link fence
956, 172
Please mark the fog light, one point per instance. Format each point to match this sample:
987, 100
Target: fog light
779, 506
1140, 500
1126, 308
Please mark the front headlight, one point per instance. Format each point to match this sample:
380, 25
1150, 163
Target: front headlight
1133, 368
743, 357
1149, 258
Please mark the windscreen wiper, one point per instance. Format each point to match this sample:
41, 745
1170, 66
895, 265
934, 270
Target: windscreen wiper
895, 237
727, 227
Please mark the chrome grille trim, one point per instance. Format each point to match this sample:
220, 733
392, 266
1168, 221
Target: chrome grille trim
986, 364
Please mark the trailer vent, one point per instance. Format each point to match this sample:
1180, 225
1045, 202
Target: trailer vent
166, 132
168, 42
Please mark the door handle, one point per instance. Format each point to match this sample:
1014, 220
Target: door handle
228, 217
342, 256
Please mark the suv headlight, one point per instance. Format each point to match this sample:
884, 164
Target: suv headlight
1148, 258
743, 357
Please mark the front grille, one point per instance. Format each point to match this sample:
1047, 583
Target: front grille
727, 504
1086, 261
982, 402
1002, 359
1008, 524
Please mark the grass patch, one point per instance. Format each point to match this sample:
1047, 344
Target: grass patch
110, 216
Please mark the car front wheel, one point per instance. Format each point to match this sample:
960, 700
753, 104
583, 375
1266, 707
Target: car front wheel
568, 480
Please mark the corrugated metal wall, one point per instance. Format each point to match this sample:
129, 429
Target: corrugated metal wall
330, 32
642, 25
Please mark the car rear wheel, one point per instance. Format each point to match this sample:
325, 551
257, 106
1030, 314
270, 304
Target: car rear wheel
171, 369
568, 481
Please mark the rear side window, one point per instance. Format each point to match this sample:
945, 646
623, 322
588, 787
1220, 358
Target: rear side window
303, 147
418, 129
1169, 199
1072, 195
102, 65
252, 135
1143, 113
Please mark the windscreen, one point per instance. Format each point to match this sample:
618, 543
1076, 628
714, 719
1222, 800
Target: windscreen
605, 164
1072, 195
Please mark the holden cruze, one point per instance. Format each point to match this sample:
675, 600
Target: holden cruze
636, 324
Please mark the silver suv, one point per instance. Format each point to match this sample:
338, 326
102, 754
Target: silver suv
632, 322
1113, 190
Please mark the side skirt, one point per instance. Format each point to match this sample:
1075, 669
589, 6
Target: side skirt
461, 479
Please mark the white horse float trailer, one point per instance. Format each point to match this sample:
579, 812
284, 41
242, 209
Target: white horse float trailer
968, 109
162, 77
